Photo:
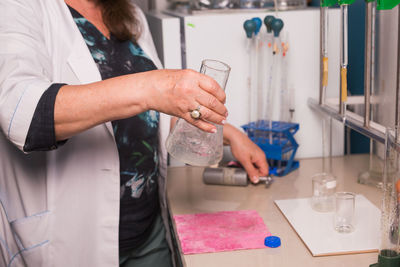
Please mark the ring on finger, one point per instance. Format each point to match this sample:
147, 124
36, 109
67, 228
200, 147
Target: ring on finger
196, 114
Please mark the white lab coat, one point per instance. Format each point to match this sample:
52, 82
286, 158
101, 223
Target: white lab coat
57, 208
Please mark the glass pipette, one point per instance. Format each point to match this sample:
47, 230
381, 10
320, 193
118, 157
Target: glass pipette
250, 28
268, 67
277, 25
284, 114
256, 71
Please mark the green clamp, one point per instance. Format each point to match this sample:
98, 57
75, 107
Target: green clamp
386, 4
327, 3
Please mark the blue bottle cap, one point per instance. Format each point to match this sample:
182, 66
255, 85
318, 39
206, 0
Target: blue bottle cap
272, 241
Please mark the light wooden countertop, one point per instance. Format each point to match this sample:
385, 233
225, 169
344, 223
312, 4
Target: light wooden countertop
187, 194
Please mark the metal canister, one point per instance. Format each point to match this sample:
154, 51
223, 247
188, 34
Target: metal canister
225, 176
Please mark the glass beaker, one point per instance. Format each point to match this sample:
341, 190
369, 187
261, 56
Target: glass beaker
324, 187
188, 143
344, 212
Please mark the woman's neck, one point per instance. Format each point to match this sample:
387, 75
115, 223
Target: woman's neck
92, 12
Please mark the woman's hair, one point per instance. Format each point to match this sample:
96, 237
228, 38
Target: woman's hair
118, 16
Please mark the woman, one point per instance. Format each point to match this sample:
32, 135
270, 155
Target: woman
80, 89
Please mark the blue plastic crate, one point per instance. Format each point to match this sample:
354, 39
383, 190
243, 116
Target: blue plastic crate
277, 142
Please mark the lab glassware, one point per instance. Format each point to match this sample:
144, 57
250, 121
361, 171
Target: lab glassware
250, 27
344, 10
191, 145
324, 187
390, 242
344, 212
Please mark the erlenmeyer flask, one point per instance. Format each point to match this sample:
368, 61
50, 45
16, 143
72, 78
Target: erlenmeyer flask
188, 143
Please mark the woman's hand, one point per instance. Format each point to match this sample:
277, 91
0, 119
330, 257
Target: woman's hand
250, 156
178, 92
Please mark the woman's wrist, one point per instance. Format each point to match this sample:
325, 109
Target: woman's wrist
228, 132
138, 92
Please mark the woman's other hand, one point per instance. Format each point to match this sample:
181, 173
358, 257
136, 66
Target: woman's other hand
250, 156
178, 92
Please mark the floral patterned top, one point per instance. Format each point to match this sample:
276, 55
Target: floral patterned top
136, 137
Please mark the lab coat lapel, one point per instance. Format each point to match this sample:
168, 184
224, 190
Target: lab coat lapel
80, 60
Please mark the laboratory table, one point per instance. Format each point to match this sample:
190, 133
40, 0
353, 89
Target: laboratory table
187, 194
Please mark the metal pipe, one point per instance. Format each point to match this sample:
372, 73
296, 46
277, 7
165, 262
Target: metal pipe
352, 120
368, 63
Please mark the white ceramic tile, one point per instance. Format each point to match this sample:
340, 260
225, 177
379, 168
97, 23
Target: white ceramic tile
317, 231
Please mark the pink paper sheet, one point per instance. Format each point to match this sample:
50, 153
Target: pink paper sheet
220, 231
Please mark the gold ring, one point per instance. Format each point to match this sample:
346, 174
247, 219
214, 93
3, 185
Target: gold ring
195, 114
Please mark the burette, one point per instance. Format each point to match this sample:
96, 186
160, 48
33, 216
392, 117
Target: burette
324, 24
344, 19
324, 50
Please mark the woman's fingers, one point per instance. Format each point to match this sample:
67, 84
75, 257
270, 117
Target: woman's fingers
210, 102
211, 86
201, 124
211, 116
261, 163
252, 172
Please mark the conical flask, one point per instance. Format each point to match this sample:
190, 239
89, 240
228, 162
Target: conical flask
188, 143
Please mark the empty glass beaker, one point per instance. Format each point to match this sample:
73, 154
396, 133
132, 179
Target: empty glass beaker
344, 212
191, 145
324, 187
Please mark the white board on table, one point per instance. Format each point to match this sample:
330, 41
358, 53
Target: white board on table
317, 231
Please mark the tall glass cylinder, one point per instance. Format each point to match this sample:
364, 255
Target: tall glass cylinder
188, 143
389, 249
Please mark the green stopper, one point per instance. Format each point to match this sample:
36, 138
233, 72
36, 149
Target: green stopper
268, 23
328, 3
386, 4
277, 25
250, 27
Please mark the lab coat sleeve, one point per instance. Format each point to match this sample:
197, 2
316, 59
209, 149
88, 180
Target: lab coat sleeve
25, 66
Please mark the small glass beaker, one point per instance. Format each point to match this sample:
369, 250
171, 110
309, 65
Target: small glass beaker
324, 187
344, 212
188, 143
